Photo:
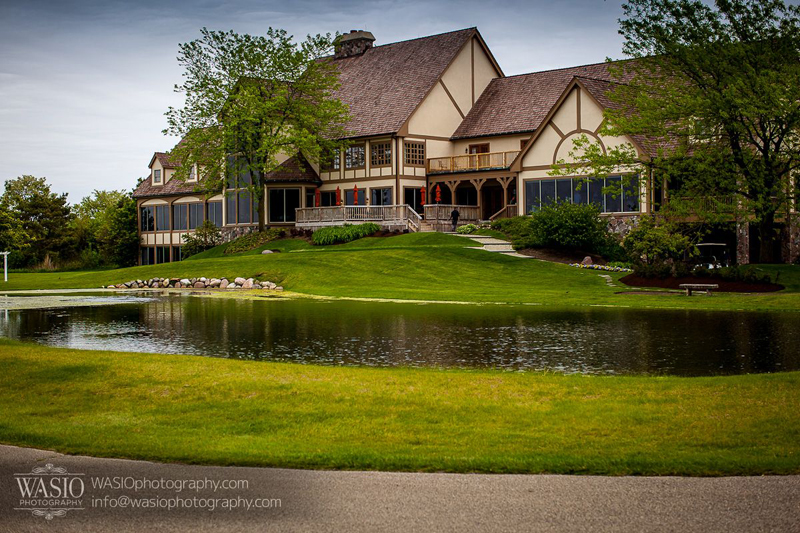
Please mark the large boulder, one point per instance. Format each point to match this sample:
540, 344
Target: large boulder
265, 252
239, 281
199, 285
587, 261
185, 282
248, 284
223, 284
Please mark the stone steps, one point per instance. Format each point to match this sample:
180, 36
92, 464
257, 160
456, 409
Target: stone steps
493, 244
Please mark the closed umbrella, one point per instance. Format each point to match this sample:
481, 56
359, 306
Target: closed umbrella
422, 196
355, 194
438, 193
338, 196
317, 197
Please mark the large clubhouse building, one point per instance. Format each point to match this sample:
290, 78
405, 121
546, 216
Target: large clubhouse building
434, 123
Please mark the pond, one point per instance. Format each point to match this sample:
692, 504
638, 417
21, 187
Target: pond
584, 340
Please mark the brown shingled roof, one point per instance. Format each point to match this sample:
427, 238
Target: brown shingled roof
294, 169
171, 188
384, 85
518, 104
163, 158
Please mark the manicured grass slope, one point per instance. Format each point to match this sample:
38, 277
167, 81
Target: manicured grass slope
426, 266
205, 410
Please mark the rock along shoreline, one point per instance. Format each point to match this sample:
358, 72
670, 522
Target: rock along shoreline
197, 283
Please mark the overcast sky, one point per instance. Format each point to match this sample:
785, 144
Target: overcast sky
84, 84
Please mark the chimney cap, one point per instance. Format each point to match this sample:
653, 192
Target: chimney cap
357, 34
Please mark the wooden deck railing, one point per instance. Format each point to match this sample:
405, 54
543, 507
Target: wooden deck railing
508, 211
356, 214
467, 162
441, 212
710, 204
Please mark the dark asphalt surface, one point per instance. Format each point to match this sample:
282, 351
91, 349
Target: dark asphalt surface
322, 501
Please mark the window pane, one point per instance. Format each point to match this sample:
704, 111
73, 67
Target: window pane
148, 219
310, 200
596, 193
195, 215
349, 197
243, 206
327, 199
580, 190
548, 192
215, 213
613, 205
381, 154
630, 195
176, 253
230, 207
277, 211
179, 216
255, 211
354, 156
162, 218
532, 198
564, 190
415, 153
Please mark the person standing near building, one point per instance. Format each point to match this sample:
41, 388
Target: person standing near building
454, 217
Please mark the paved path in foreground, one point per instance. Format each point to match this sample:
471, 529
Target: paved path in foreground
375, 501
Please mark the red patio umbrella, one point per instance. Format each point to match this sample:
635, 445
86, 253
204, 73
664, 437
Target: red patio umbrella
355, 194
422, 196
438, 193
338, 196
317, 197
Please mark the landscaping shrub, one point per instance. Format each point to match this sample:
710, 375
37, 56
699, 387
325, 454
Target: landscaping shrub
744, 274
569, 226
253, 240
346, 233
466, 229
206, 236
657, 250
517, 229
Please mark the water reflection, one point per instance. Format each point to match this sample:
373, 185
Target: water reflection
587, 340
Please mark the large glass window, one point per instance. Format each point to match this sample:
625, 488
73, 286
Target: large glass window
381, 154
162, 218
611, 195
282, 204
327, 198
413, 198
179, 216
230, 207
243, 207
177, 253
350, 197
195, 215
148, 219
157, 176
215, 213
381, 196
310, 200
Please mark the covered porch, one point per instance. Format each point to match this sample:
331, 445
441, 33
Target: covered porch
492, 195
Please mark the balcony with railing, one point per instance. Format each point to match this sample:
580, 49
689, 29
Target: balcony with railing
471, 162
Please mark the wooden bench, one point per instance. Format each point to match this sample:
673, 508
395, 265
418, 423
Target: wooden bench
689, 287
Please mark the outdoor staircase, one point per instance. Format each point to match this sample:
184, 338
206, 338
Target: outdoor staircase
425, 227
492, 244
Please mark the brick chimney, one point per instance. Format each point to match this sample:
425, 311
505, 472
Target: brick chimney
354, 43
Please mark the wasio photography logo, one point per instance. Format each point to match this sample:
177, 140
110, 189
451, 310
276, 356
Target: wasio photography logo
50, 491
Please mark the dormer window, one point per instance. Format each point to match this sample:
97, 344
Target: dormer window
193, 173
157, 176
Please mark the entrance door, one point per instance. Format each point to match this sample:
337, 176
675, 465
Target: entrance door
491, 201
482, 161
413, 198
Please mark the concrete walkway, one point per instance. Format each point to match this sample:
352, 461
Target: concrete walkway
322, 501
493, 244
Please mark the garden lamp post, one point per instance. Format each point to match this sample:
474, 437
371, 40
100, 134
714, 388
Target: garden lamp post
5, 265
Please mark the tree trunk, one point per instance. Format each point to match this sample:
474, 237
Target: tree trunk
766, 238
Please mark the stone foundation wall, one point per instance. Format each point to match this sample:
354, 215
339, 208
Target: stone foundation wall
234, 232
622, 225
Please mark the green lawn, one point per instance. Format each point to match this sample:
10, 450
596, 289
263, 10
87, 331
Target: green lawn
205, 410
421, 266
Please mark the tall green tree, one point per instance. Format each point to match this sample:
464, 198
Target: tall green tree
44, 215
716, 88
92, 222
255, 97
13, 237
122, 245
